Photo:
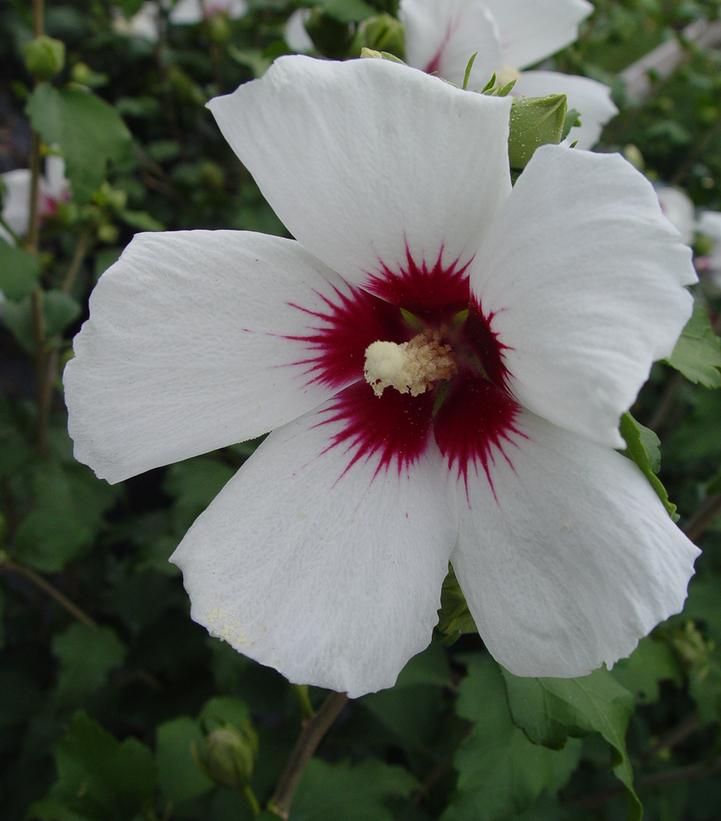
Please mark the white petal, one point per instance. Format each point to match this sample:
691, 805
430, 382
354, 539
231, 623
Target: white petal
331, 577
144, 24
573, 561
365, 159
589, 97
187, 349
678, 210
531, 31
584, 276
16, 199
187, 12
295, 33
441, 37
709, 224
55, 183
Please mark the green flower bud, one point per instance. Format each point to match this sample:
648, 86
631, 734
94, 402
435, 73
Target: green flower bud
218, 28
44, 57
383, 33
108, 233
227, 755
535, 121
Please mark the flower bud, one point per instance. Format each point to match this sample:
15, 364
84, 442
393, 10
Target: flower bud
227, 755
44, 57
382, 33
535, 121
218, 28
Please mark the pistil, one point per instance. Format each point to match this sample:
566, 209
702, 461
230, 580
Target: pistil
410, 367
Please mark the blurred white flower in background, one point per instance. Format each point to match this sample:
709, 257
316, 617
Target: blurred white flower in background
145, 23
54, 188
295, 33
679, 210
508, 35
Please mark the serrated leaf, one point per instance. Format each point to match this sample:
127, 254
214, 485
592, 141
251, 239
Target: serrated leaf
501, 772
179, 777
68, 512
98, 777
697, 354
352, 792
642, 672
550, 710
644, 448
90, 133
86, 655
19, 271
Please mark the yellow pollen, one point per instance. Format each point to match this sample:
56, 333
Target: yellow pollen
411, 367
506, 75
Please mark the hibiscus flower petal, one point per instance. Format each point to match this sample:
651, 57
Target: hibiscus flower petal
590, 98
198, 339
325, 566
583, 276
533, 31
369, 163
441, 37
571, 559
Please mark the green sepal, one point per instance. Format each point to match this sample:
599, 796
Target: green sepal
643, 448
535, 121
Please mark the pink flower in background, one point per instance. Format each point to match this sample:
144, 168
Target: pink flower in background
509, 35
443, 361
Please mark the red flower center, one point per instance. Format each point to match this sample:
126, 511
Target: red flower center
471, 416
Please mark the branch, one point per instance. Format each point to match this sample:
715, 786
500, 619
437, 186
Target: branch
690, 773
308, 741
703, 517
47, 587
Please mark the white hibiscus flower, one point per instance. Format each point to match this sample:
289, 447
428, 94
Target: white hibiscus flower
295, 33
54, 188
441, 36
518, 326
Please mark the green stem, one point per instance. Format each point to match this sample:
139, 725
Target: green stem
42, 584
311, 736
303, 695
252, 799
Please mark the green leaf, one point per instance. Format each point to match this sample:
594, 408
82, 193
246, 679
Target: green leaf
224, 710
346, 11
535, 121
650, 663
90, 133
350, 792
697, 354
86, 655
550, 710
98, 777
19, 271
500, 771
644, 448
179, 777
67, 515
59, 310
454, 618
194, 484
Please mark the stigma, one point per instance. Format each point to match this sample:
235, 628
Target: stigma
410, 367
